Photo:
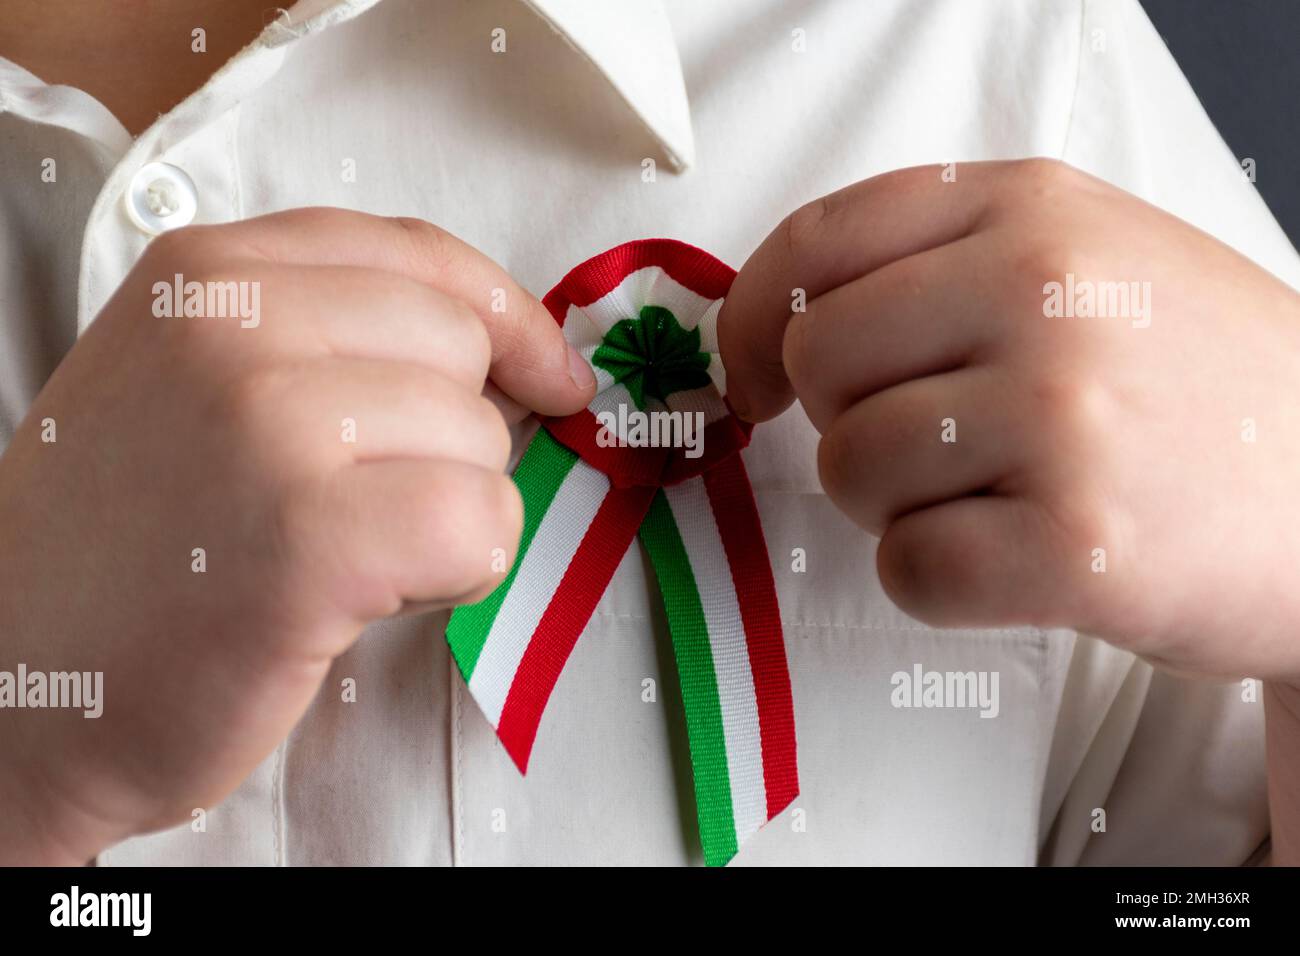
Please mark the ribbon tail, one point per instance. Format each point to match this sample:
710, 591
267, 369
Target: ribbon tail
706, 544
512, 645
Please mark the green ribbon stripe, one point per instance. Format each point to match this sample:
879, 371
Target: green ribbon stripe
545, 465
699, 682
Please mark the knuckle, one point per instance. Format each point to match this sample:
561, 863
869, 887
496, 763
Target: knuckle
475, 341
767, 373
919, 574
287, 524
900, 564
494, 432
837, 457
419, 230
1078, 522
797, 350
895, 427
323, 218
904, 280
1045, 174
193, 247
1082, 529
1045, 260
205, 304
1071, 409
923, 577
252, 401
1041, 275
801, 228
427, 243
177, 243
1044, 188
515, 333
297, 549
509, 505
484, 525
444, 516
901, 420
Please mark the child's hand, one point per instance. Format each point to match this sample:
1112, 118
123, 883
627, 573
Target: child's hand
332, 457
1134, 476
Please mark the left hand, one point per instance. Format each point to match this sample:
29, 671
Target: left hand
1135, 476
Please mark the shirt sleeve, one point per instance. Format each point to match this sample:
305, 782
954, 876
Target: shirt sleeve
1137, 123
1146, 767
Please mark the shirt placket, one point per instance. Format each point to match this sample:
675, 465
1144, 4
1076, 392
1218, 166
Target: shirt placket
185, 169
182, 170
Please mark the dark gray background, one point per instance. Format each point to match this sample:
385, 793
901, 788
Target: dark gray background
1243, 59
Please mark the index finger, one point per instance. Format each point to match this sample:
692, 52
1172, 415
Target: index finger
531, 362
826, 243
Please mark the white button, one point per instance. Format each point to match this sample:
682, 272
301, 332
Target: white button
161, 197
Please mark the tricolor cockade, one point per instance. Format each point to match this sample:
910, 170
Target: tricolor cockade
645, 315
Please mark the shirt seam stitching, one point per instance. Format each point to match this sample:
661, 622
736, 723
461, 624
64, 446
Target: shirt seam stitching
277, 807
236, 183
1078, 79
457, 814
1036, 633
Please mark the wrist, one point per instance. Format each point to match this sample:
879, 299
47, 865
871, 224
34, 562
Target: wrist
37, 827
31, 834
1282, 735
42, 823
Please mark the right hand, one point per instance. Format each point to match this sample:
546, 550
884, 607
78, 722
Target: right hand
175, 434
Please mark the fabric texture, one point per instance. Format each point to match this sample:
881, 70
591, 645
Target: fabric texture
645, 313
536, 158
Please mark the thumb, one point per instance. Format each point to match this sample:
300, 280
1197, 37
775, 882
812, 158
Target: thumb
751, 330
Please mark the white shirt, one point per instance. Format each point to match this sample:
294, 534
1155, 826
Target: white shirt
536, 155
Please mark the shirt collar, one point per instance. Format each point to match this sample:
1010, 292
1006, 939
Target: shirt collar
630, 44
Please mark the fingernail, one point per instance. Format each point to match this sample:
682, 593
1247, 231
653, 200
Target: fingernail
580, 371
